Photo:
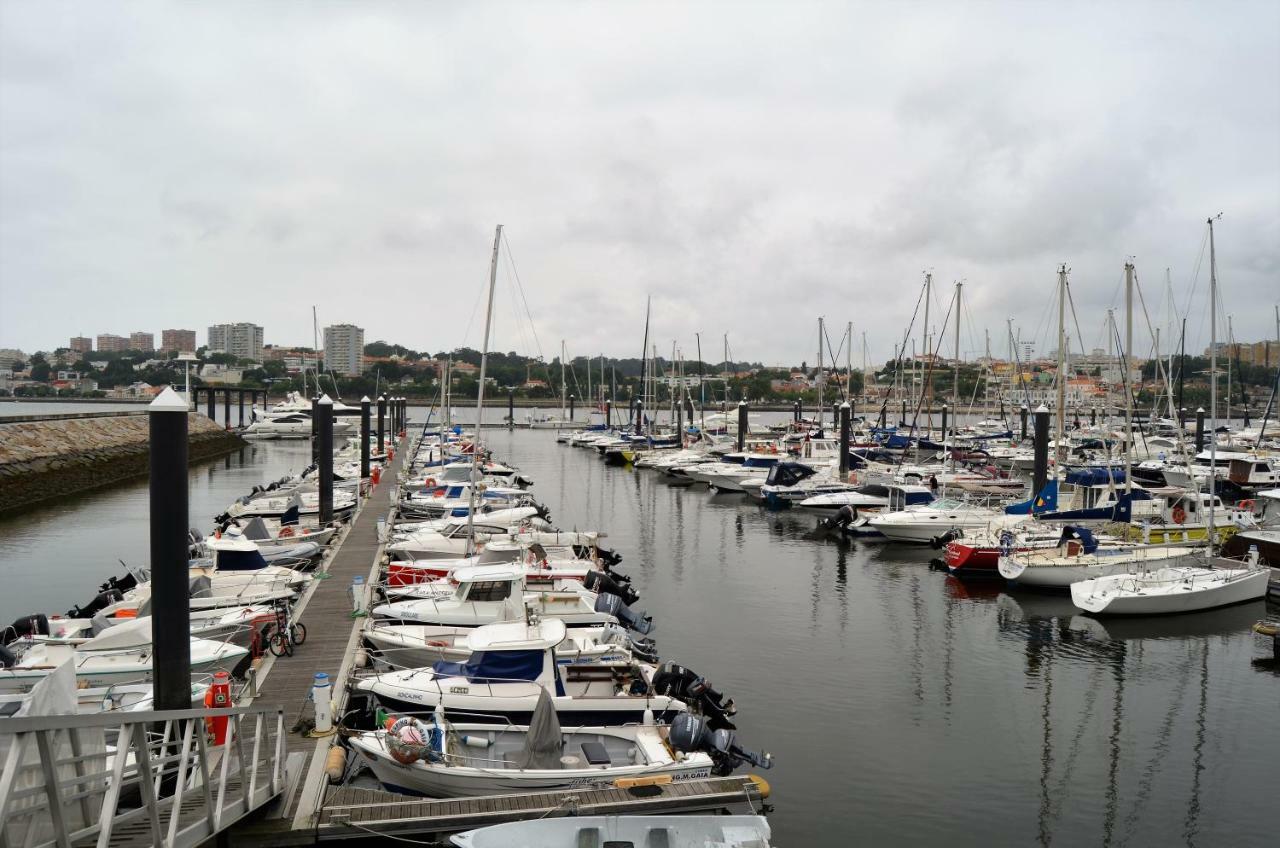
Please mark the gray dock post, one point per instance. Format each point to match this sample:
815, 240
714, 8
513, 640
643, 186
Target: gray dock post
1199, 429
1022, 413
211, 403
571, 405
170, 589
742, 424
364, 436
382, 425
511, 407
903, 421
639, 417
1040, 469
226, 409
846, 414
240, 394
608, 414
795, 412
688, 410
324, 408
1093, 416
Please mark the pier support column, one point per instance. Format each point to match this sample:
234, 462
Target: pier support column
639, 417
1199, 429
688, 411
315, 429
511, 408
608, 414
1040, 468
1093, 416
170, 590
364, 436
571, 405
1182, 420
1022, 413
903, 421
240, 394
382, 425
742, 424
226, 409
211, 404
795, 412
846, 417
324, 416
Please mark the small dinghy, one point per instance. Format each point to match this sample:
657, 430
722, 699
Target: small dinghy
706, 831
441, 759
119, 654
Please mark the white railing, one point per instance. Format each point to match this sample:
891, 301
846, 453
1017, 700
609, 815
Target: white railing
77, 779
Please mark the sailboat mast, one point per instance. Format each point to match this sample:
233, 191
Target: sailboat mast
955, 386
564, 387
1213, 380
819, 377
1125, 359
926, 392
848, 368
1060, 453
644, 363
484, 362
702, 388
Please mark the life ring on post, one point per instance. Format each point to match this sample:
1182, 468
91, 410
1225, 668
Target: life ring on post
1179, 514
1246, 505
286, 532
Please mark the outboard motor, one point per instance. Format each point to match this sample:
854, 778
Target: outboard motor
940, 542
642, 648
222, 518
841, 520
598, 581
676, 681
614, 606
99, 603
691, 733
28, 625
608, 557
119, 584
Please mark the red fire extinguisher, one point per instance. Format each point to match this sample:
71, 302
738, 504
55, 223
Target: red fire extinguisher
218, 697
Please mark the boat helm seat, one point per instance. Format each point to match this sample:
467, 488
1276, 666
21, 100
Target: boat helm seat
596, 754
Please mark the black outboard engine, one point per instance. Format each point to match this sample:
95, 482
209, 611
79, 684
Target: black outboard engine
598, 581
841, 520
940, 542
608, 557
691, 733
102, 601
119, 584
614, 606
676, 681
28, 625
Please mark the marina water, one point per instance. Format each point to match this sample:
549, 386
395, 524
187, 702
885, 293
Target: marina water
902, 706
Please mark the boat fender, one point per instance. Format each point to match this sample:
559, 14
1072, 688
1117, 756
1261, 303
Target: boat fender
335, 765
7, 658
762, 785
476, 741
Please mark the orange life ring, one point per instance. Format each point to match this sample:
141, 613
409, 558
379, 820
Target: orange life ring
1179, 514
1246, 505
429, 482
286, 532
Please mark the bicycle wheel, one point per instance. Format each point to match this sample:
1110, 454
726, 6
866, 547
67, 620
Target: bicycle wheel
280, 644
297, 633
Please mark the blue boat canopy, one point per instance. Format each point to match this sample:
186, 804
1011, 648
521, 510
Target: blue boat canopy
1046, 501
1080, 534
494, 666
1095, 476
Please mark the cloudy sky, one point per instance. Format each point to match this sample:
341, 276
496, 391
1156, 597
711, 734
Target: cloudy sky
750, 167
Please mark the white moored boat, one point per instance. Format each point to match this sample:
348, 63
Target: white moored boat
1078, 556
440, 759
706, 831
1172, 589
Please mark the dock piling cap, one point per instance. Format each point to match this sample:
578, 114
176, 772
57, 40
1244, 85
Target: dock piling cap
324, 400
168, 401
321, 679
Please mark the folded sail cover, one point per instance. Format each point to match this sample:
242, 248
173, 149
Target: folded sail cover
1046, 501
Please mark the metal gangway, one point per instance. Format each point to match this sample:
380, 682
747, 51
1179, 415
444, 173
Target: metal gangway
136, 778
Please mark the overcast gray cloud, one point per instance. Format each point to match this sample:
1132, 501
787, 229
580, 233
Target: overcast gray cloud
749, 166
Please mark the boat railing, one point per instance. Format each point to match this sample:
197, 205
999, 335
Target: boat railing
61, 784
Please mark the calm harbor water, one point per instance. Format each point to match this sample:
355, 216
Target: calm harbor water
903, 707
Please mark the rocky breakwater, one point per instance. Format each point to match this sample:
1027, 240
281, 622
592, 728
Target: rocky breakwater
40, 460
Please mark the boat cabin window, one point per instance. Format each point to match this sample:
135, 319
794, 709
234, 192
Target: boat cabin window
490, 590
